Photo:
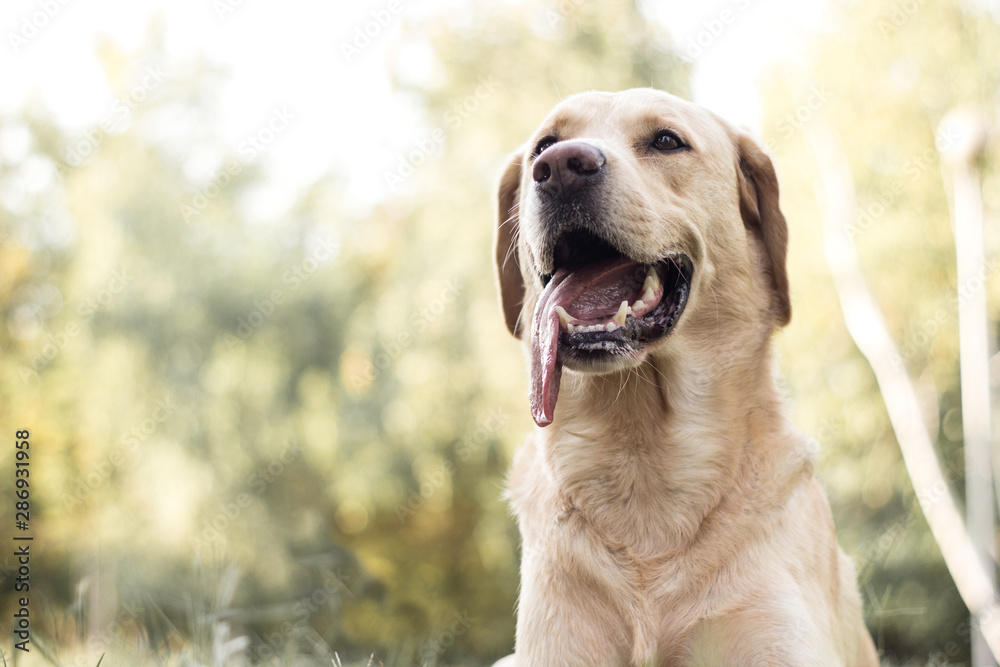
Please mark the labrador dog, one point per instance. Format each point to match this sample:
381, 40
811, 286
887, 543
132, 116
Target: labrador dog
667, 506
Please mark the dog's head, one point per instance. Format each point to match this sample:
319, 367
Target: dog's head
627, 217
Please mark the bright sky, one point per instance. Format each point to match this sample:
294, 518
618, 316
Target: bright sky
288, 56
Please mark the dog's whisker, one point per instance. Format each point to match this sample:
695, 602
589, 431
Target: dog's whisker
621, 387
510, 250
517, 322
510, 219
715, 298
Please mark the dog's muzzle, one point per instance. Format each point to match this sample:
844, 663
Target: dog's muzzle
599, 308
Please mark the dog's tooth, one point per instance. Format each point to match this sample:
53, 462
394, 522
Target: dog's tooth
570, 328
623, 311
648, 296
564, 318
639, 305
652, 281
610, 326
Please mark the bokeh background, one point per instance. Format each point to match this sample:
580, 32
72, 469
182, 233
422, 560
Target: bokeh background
247, 311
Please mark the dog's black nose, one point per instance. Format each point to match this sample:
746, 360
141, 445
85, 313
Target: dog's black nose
567, 166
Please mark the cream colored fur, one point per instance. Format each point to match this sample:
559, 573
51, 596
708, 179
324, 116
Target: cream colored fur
669, 514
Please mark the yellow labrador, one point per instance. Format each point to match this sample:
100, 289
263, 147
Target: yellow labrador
667, 507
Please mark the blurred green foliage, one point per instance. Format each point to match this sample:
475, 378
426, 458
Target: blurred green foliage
883, 75
270, 441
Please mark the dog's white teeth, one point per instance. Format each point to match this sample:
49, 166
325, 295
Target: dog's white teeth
623, 312
648, 296
639, 305
616, 322
651, 283
564, 318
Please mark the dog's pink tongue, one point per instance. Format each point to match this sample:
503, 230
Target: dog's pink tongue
594, 291
546, 371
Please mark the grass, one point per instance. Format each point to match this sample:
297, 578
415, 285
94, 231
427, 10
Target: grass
199, 630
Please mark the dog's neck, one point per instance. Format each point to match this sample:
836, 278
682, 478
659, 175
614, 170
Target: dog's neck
652, 451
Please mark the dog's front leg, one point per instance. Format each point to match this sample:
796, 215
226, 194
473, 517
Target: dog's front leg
565, 618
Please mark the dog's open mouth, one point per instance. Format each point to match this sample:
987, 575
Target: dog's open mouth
597, 306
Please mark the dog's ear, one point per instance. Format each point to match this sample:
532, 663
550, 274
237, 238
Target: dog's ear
508, 267
761, 214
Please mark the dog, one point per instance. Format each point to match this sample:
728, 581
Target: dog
667, 507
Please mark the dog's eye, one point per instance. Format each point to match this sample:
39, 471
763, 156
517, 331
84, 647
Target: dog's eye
542, 145
665, 140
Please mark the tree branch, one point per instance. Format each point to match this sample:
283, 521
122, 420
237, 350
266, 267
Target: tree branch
866, 326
